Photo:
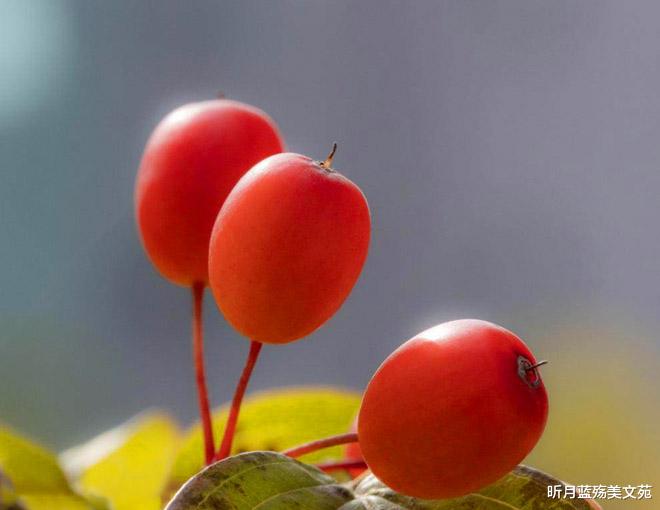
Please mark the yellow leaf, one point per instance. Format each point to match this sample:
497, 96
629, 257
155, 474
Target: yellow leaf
32, 477
29, 467
128, 465
53, 502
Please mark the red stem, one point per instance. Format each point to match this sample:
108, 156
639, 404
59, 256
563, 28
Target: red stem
344, 464
319, 444
232, 420
200, 375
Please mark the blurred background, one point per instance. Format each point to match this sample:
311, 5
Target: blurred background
509, 150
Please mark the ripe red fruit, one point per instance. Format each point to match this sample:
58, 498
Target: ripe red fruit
287, 247
193, 159
452, 410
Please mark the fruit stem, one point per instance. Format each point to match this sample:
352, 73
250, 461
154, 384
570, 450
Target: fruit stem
327, 164
200, 373
344, 464
320, 444
232, 420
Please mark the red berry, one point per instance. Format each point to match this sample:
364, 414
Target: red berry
287, 248
193, 159
452, 410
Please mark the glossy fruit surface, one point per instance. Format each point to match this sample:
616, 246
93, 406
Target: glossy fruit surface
452, 410
191, 162
287, 248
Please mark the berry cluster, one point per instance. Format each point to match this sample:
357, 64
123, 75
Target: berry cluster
281, 240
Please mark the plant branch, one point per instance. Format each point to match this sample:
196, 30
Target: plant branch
200, 374
232, 420
344, 464
320, 444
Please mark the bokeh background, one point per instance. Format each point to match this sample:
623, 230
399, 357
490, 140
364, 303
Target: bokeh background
510, 152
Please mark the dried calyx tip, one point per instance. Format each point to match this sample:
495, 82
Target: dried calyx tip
327, 164
538, 364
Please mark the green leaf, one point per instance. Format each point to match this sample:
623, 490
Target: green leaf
272, 481
524, 488
264, 480
275, 420
128, 466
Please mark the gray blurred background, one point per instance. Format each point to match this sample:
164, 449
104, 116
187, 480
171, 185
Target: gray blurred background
509, 150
